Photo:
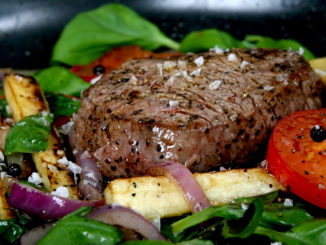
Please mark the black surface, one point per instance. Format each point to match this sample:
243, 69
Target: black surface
29, 28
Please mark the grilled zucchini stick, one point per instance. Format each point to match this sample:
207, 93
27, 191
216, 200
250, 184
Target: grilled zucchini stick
5, 211
25, 98
156, 197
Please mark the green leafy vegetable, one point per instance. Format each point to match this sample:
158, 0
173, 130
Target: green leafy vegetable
267, 42
206, 39
29, 134
280, 216
312, 232
10, 230
3, 110
153, 242
245, 226
60, 105
81, 230
57, 79
92, 33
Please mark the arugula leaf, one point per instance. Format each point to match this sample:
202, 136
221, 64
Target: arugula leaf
276, 215
245, 226
312, 232
267, 42
153, 242
206, 39
60, 105
29, 134
94, 32
57, 79
3, 110
203, 40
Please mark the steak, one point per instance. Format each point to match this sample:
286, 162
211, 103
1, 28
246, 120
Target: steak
202, 110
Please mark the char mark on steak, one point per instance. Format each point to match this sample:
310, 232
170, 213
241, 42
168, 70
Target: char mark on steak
203, 110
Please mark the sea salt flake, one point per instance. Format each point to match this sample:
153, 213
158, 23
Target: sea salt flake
65, 128
61, 191
96, 79
186, 76
196, 72
8, 109
301, 51
2, 157
215, 85
268, 88
18, 78
288, 202
199, 61
160, 69
321, 187
243, 64
232, 57
182, 64
173, 103
133, 80
217, 50
244, 206
169, 65
276, 243
35, 178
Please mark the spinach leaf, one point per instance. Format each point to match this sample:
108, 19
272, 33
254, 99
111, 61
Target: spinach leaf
81, 230
267, 42
29, 134
312, 232
206, 39
276, 215
57, 79
60, 105
92, 33
10, 230
3, 110
245, 226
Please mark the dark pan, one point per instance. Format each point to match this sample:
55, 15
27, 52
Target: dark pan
28, 29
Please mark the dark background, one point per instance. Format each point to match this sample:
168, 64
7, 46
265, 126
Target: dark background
29, 28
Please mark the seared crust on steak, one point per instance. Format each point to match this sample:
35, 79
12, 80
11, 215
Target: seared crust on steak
179, 109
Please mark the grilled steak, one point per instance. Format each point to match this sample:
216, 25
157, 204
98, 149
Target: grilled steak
203, 110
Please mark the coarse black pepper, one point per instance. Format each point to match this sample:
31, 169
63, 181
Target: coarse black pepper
98, 70
318, 133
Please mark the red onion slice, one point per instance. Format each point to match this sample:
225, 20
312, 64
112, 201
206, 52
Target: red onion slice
44, 205
90, 186
185, 181
33, 236
127, 218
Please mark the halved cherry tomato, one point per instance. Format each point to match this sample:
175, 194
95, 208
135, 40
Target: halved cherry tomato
296, 160
114, 59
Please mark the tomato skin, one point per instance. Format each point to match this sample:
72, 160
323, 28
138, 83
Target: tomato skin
114, 58
296, 160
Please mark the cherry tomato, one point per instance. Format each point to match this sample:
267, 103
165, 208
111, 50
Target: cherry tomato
296, 159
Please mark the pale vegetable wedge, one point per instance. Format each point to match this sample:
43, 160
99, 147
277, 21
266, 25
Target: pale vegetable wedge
25, 98
319, 66
156, 197
5, 211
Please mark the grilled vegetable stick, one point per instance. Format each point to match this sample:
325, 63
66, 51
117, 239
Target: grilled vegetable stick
156, 197
319, 66
25, 98
5, 211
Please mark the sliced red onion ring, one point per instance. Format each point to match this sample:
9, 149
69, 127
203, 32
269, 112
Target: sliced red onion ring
185, 181
127, 218
33, 236
90, 186
44, 205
